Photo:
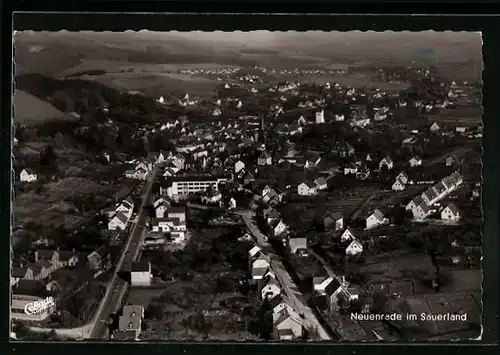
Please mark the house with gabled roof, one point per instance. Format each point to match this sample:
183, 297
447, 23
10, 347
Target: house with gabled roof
279, 303
238, 166
387, 162
333, 221
28, 175
288, 325
321, 184
161, 208
375, 219
354, 248
415, 161
450, 213
306, 188
278, 228
398, 185
419, 208
297, 246
347, 235
260, 267
434, 127
118, 221
270, 288
264, 159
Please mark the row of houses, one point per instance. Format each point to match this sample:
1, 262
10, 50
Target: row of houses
421, 206
287, 323
120, 214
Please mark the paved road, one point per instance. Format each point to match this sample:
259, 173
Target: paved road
117, 286
285, 279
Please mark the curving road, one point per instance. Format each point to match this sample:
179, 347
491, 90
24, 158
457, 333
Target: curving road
117, 287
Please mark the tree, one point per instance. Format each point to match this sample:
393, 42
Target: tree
48, 156
154, 311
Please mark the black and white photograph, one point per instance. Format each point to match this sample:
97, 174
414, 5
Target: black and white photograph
246, 186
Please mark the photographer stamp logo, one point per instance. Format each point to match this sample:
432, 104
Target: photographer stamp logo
37, 307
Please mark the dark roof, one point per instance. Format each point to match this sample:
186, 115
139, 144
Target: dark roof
273, 302
30, 288
140, 266
19, 271
177, 210
332, 286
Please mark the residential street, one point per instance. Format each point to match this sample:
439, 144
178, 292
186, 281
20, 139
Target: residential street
285, 279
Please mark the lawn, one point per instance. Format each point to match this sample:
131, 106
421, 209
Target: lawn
439, 304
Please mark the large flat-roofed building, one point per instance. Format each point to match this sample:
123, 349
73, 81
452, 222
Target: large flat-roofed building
21, 302
179, 187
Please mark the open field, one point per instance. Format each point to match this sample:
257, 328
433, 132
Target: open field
156, 84
354, 81
440, 304
462, 115
28, 109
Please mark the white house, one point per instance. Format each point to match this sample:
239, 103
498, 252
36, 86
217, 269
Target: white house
254, 252
415, 161
347, 235
320, 116
259, 268
403, 177
301, 121
289, 325
280, 228
419, 208
321, 184
398, 185
217, 112
27, 175
354, 248
161, 208
238, 166
298, 246
387, 162
375, 219
306, 189
271, 289
118, 221
434, 127
140, 274
450, 213
239, 105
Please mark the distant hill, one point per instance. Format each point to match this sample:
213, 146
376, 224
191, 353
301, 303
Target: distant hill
53, 53
30, 109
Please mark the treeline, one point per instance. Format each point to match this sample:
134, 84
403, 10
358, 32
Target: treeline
87, 72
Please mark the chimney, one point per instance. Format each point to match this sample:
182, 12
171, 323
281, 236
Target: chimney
57, 249
74, 250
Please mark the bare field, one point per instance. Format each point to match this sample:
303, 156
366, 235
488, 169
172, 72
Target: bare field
464, 115
156, 84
